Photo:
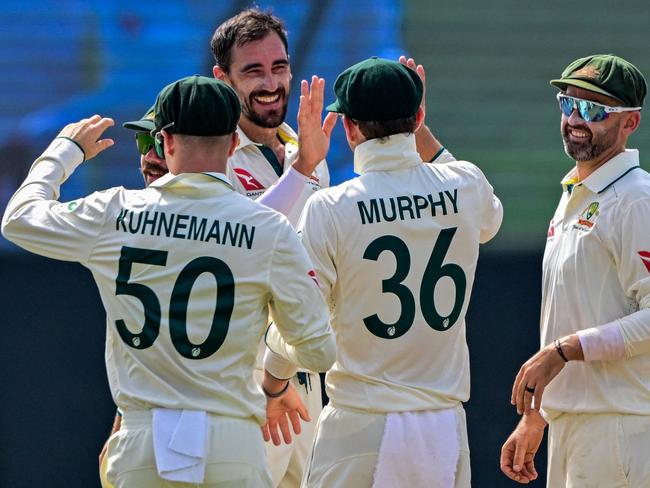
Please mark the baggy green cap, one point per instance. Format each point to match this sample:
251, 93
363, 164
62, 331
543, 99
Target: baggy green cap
606, 74
145, 124
197, 106
377, 89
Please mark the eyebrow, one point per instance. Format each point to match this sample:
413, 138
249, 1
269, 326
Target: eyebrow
277, 62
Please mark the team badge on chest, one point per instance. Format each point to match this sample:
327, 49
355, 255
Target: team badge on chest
587, 218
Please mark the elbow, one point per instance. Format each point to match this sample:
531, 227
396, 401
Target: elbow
324, 357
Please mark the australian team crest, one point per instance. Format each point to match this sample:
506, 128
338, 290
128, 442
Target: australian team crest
588, 217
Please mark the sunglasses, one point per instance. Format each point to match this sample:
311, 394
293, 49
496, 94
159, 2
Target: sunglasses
144, 141
589, 111
158, 143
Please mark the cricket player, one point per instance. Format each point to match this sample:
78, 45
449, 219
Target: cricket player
395, 252
186, 269
590, 381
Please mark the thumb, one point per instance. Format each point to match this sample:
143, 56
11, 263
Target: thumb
329, 123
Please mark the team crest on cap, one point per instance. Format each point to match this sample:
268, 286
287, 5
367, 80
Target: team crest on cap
587, 218
587, 72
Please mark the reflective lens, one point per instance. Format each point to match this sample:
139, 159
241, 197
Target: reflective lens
144, 141
159, 145
588, 110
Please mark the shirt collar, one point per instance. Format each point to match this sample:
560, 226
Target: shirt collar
285, 133
190, 180
607, 174
394, 152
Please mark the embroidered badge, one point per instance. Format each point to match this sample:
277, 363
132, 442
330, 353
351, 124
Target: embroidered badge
586, 219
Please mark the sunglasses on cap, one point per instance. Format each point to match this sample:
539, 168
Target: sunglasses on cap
589, 110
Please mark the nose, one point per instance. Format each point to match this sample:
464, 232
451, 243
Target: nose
152, 156
270, 82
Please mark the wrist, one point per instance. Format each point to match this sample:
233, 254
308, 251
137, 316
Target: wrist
569, 348
304, 167
276, 394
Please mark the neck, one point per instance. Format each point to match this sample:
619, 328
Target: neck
260, 135
586, 168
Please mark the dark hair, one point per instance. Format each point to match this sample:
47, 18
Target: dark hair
380, 129
247, 26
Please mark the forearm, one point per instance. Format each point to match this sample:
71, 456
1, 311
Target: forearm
39, 190
283, 196
620, 339
427, 145
315, 353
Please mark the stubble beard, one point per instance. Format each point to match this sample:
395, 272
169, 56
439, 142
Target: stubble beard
590, 149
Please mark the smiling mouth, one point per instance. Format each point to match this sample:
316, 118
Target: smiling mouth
577, 134
268, 99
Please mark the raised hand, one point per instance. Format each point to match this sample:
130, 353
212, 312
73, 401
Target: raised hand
419, 69
313, 138
87, 133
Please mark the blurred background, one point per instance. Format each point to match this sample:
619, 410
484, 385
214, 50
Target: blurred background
488, 101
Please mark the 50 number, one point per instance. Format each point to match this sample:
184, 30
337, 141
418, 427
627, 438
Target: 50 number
177, 304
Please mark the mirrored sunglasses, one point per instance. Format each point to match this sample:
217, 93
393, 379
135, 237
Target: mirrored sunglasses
589, 110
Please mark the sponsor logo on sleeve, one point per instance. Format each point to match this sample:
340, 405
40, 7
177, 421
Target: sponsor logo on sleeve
312, 275
551, 230
247, 180
645, 259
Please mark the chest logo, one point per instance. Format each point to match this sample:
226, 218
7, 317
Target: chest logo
645, 258
588, 216
247, 180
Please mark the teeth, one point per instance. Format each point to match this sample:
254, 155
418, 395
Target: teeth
268, 98
579, 133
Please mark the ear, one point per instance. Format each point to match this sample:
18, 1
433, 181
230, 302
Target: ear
168, 141
352, 132
233, 144
419, 118
219, 73
632, 122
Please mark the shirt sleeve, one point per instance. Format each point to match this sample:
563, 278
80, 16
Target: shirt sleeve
37, 222
492, 210
282, 196
631, 251
300, 334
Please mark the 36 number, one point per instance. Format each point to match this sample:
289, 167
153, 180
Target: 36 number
433, 272
178, 303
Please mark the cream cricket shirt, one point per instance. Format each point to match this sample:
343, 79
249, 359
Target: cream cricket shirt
596, 271
254, 168
186, 270
395, 252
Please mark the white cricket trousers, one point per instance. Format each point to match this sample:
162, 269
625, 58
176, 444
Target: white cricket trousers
236, 457
599, 451
346, 450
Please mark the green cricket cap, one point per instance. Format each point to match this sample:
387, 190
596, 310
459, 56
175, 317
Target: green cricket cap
606, 74
377, 89
145, 124
197, 106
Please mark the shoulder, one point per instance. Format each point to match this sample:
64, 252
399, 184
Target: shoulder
459, 169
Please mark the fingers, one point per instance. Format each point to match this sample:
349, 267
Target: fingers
294, 417
284, 428
302, 411
265, 432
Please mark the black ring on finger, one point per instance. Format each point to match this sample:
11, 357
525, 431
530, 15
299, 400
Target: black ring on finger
529, 389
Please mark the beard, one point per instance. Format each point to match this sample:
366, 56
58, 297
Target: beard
592, 147
269, 119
